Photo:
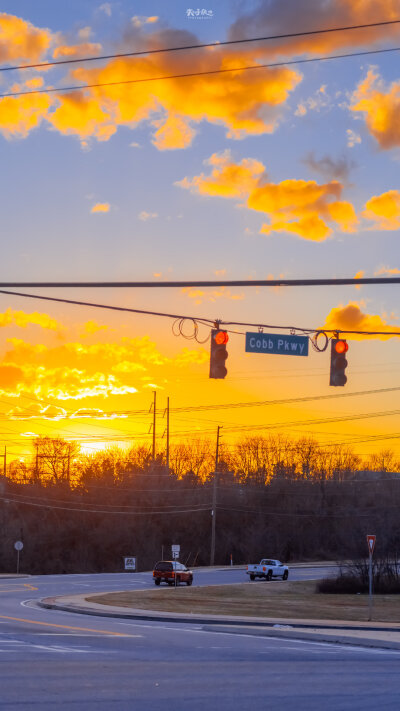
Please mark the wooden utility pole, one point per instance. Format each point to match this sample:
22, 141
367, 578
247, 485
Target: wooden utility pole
154, 425
167, 453
214, 501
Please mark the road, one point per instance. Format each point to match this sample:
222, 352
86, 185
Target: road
58, 660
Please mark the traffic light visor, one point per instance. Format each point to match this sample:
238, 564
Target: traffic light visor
341, 347
221, 337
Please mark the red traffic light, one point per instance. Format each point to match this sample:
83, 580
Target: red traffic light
341, 346
221, 337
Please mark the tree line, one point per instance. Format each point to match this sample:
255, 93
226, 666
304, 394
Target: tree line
276, 497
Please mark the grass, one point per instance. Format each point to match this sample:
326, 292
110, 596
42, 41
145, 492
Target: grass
291, 600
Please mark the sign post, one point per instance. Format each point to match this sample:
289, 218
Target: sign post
18, 545
371, 545
176, 549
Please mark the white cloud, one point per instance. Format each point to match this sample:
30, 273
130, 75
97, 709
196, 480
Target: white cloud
352, 138
147, 215
106, 8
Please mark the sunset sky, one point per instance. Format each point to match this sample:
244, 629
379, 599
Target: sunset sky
290, 171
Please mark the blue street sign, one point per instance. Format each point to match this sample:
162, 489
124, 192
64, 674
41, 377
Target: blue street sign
276, 343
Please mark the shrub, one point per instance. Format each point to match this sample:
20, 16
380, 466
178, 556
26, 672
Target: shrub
353, 578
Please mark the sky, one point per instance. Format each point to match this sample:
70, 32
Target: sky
288, 171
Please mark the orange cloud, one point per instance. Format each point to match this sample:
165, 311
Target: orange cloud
20, 40
387, 270
227, 179
243, 102
83, 49
300, 207
359, 275
384, 210
139, 21
91, 327
101, 207
381, 106
81, 115
20, 114
275, 17
198, 295
76, 371
22, 319
352, 318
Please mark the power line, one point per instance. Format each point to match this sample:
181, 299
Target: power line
9, 499
209, 72
199, 283
231, 405
203, 320
224, 43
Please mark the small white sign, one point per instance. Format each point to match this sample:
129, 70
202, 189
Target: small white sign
18, 545
175, 548
130, 563
175, 554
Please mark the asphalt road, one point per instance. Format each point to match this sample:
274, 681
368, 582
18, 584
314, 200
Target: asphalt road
58, 660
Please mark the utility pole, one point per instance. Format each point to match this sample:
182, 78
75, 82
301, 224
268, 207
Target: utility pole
154, 425
167, 457
214, 501
3, 482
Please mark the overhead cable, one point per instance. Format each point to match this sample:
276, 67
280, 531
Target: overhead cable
188, 75
224, 43
196, 319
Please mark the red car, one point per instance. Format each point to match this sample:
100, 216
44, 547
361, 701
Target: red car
167, 570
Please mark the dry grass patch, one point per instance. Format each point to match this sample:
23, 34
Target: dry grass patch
293, 600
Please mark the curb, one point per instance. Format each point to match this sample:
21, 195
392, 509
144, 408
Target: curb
50, 603
311, 637
258, 628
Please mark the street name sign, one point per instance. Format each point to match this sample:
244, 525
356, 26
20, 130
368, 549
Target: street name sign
276, 344
371, 544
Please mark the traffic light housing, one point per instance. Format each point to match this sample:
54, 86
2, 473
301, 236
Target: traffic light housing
339, 348
218, 353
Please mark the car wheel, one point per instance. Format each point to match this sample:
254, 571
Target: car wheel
189, 581
285, 575
157, 581
170, 582
252, 577
269, 575
178, 580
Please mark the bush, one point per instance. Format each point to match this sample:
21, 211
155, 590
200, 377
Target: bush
353, 578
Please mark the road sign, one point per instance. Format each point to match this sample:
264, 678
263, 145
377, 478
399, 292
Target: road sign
176, 548
130, 563
371, 544
18, 545
276, 344
175, 555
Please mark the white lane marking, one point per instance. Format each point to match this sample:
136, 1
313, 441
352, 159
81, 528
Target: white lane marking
306, 643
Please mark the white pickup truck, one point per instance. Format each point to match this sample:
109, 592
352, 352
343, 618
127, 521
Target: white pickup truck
268, 569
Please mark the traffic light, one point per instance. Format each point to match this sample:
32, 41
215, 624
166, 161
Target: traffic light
339, 348
218, 353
